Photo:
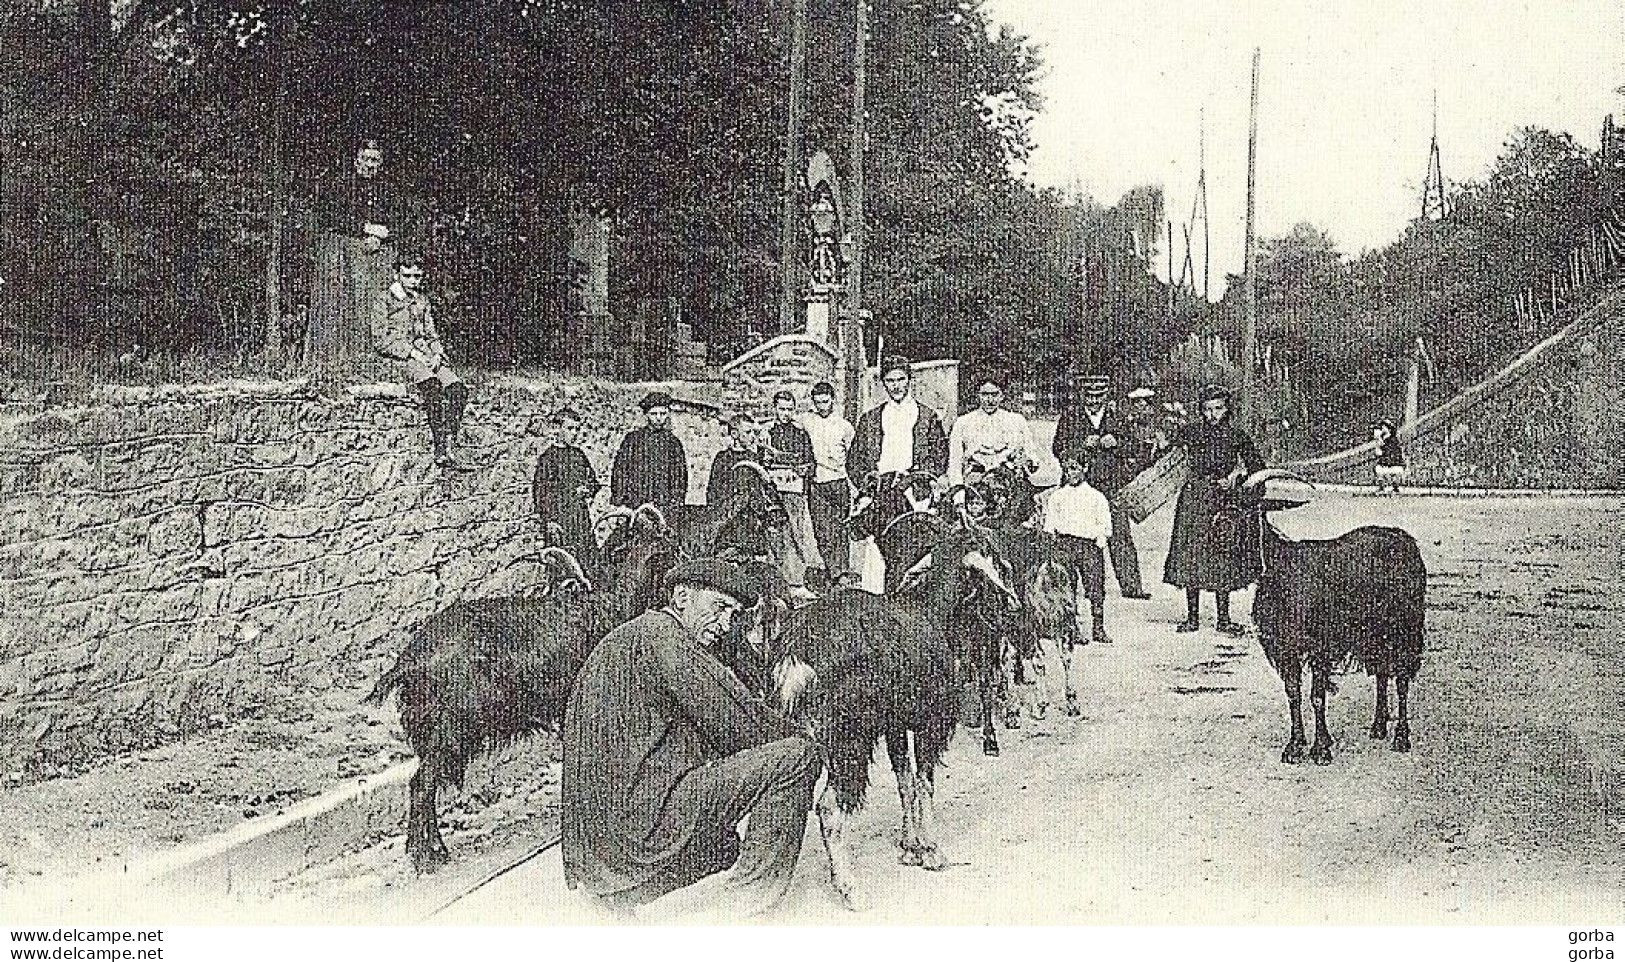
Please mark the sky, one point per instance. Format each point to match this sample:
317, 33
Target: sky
1345, 101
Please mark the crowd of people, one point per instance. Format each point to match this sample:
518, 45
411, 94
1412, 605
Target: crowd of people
666, 752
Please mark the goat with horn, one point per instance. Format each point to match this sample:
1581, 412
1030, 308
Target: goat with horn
1357, 600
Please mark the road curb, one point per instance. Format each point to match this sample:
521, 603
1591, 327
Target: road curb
251, 857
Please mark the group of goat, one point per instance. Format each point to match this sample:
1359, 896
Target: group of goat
975, 599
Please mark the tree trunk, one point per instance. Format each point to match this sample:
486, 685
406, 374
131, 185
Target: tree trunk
276, 199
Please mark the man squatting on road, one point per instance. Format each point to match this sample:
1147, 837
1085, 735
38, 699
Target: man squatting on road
665, 751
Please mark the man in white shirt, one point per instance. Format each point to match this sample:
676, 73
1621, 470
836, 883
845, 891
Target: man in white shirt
829, 494
1080, 518
895, 438
894, 442
990, 437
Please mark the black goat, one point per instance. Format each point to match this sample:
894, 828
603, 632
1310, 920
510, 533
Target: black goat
485, 672
1354, 600
741, 523
859, 667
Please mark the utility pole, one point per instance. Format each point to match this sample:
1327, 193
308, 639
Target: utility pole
1249, 331
852, 321
789, 263
1201, 190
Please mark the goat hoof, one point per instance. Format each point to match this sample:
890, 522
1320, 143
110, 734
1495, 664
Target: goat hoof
911, 856
1293, 754
1040, 710
1012, 718
932, 859
1402, 741
990, 746
1321, 754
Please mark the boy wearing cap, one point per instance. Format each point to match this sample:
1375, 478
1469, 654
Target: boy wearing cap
403, 331
665, 752
1112, 454
1081, 521
651, 466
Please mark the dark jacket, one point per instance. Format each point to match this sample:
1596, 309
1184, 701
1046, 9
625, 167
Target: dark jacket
1108, 469
721, 483
649, 706
930, 445
1213, 546
560, 472
1390, 454
650, 467
347, 202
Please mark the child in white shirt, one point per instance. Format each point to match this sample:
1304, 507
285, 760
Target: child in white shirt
1081, 520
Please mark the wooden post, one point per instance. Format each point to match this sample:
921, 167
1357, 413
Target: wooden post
789, 263
1249, 331
1170, 268
851, 320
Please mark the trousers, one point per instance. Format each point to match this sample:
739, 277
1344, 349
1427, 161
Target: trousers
773, 785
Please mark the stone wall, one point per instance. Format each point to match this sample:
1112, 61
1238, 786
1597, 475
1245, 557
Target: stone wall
171, 556
1558, 422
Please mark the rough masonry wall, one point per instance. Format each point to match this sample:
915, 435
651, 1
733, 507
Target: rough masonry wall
171, 556
1560, 424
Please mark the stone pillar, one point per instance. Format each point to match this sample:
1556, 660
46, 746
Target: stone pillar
818, 314
589, 253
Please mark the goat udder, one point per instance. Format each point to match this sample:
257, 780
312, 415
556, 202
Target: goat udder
792, 678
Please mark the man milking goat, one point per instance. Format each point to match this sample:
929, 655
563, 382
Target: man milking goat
665, 752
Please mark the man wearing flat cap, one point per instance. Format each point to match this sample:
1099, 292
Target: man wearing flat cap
665, 752
651, 466
896, 438
1113, 454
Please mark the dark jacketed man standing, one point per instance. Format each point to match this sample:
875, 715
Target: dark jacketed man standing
665, 751
651, 466
898, 436
1113, 455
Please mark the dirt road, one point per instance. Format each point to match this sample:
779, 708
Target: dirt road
1167, 803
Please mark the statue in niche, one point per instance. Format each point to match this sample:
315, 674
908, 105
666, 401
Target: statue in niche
827, 258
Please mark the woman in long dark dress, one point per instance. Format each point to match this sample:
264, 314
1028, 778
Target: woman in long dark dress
1213, 549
